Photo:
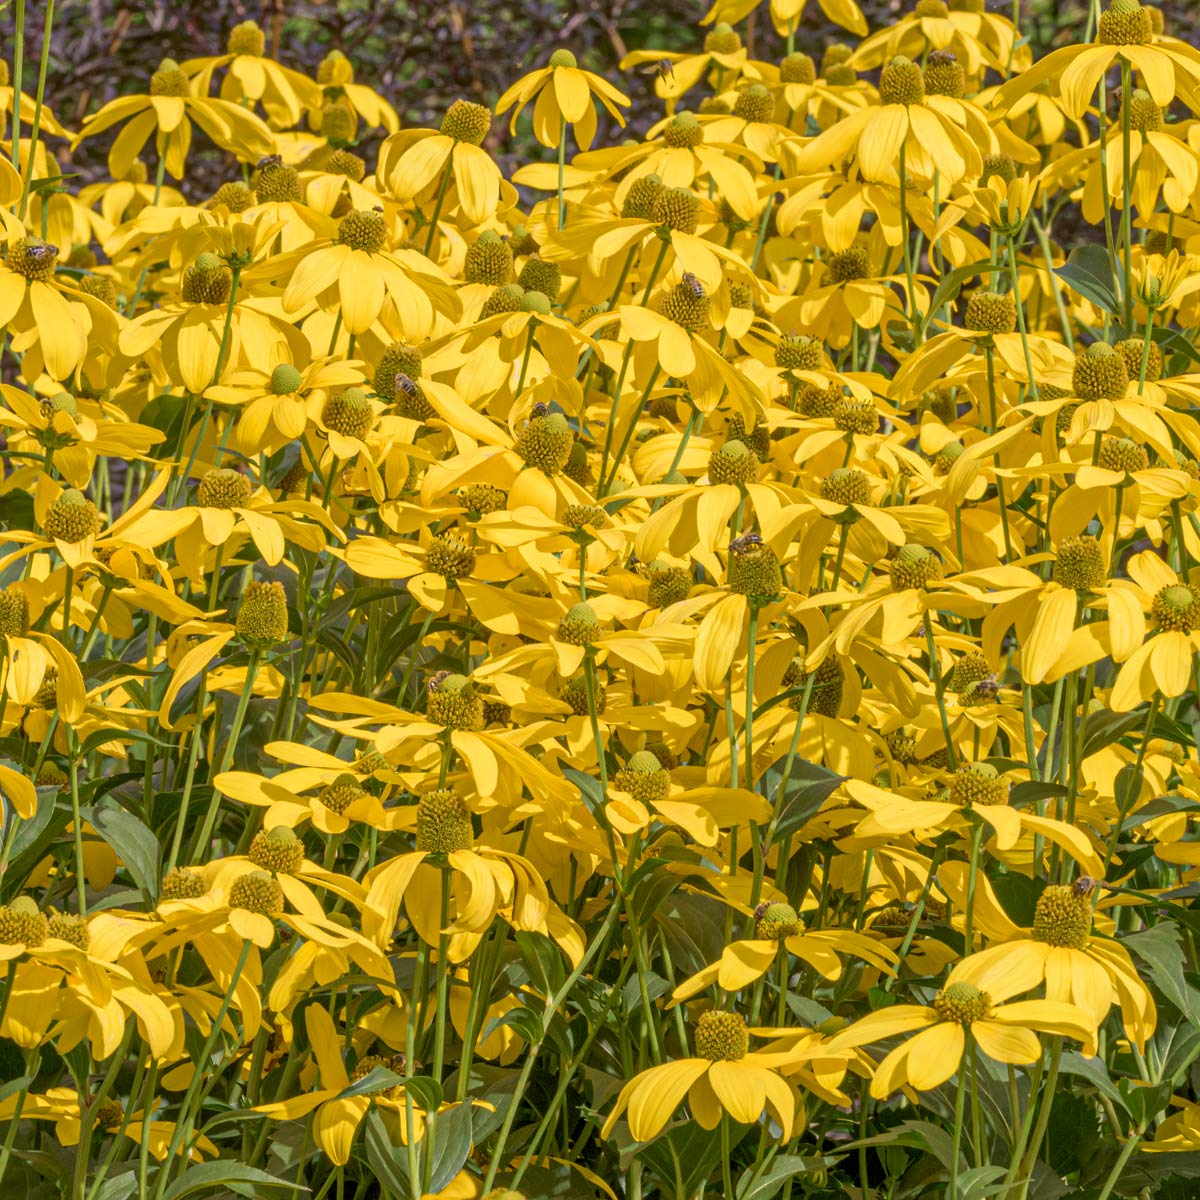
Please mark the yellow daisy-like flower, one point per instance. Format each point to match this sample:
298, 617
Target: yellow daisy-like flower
564, 94
357, 271
167, 111
725, 1076
253, 78
1004, 1032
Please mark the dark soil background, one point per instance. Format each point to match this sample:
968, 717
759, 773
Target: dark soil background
420, 55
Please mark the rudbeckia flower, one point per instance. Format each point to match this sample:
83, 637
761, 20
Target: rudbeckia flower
927, 135
723, 58
778, 930
1163, 664
56, 326
198, 337
724, 1077
227, 505
418, 159
1076, 964
71, 432
274, 403
336, 77
252, 78
1125, 34
357, 273
961, 1010
978, 792
481, 883
981, 40
564, 93
167, 111
61, 1106
786, 15
340, 1108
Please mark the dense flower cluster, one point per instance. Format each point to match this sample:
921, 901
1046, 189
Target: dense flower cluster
674, 670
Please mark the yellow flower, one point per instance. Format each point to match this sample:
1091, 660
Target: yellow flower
935, 134
1061, 951
415, 160
56, 325
167, 110
252, 78
958, 1012
338, 1116
1125, 34
564, 94
356, 272
726, 1076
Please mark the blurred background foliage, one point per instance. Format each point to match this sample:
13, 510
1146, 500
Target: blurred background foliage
423, 54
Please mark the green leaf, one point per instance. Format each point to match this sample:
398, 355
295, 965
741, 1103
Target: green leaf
1144, 1101
118, 1187
1094, 1071
1160, 806
950, 285
388, 1163
1103, 728
1159, 948
227, 1176
15, 1085
1088, 270
1128, 786
588, 787
377, 1079
683, 1157
808, 787
47, 1166
451, 1146
426, 1091
1033, 790
33, 837
136, 846
980, 1182
919, 1135
785, 1166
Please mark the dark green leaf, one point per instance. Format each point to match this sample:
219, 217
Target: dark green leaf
377, 1079
452, 1145
1158, 947
136, 845
808, 786
227, 1176
389, 1163
785, 1166
1088, 270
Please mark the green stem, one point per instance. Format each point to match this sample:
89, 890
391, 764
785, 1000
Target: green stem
913, 319
235, 730
935, 677
77, 822
36, 128
1126, 187
437, 208
627, 437
562, 158
186, 1119
17, 79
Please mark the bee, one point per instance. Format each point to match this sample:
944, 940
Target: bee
745, 544
989, 687
41, 252
268, 160
663, 69
1083, 886
540, 409
693, 285
405, 384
